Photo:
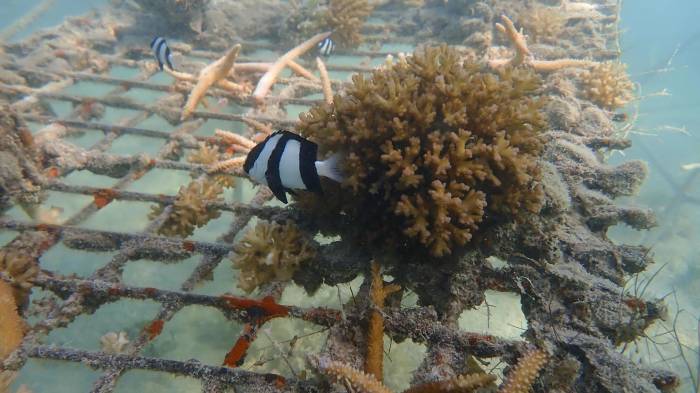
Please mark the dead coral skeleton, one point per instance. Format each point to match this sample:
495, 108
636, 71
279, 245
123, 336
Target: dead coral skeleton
270, 252
214, 74
524, 56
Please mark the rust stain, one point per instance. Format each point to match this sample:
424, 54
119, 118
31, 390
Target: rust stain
267, 307
188, 246
52, 172
103, 197
154, 329
236, 356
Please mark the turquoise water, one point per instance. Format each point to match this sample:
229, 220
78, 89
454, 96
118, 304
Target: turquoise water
666, 131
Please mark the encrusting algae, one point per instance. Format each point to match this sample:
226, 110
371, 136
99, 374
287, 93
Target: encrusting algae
432, 146
270, 252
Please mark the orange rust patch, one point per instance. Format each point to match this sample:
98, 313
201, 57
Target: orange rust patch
52, 172
188, 246
104, 197
280, 382
154, 329
236, 356
151, 292
43, 228
269, 308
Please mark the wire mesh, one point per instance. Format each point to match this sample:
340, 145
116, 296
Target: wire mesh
127, 243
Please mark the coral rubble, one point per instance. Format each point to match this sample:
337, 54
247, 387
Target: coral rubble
270, 252
433, 146
608, 85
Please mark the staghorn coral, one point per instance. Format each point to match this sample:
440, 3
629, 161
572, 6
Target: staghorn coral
21, 268
344, 17
191, 209
11, 325
270, 252
432, 145
209, 155
608, 85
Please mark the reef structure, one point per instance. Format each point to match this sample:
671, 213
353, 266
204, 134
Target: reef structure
569, 275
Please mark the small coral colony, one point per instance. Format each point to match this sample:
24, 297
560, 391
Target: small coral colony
422, 157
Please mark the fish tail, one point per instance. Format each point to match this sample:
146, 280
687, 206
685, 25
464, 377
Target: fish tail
330, 167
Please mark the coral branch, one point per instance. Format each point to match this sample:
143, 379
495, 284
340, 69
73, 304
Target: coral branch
210, 75
225, 166
523, 55
235, 139
265, 83
521, 378
363, 383
325, 81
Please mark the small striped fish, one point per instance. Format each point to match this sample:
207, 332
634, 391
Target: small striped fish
326, 47
285, 161
161, 52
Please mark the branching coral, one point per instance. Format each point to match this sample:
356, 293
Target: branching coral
431, 146
344, 17
21, 268
11, 325
270, 252
191, 209
543, 24
608, 85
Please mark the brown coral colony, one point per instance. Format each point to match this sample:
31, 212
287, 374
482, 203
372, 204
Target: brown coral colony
435, 148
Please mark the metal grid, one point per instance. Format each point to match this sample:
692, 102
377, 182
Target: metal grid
81, 295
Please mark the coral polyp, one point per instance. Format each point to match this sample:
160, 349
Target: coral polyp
192, 208
270, 252
434, 146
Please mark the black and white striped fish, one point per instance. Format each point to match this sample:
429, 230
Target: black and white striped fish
285, 161
326, 47
161, 51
